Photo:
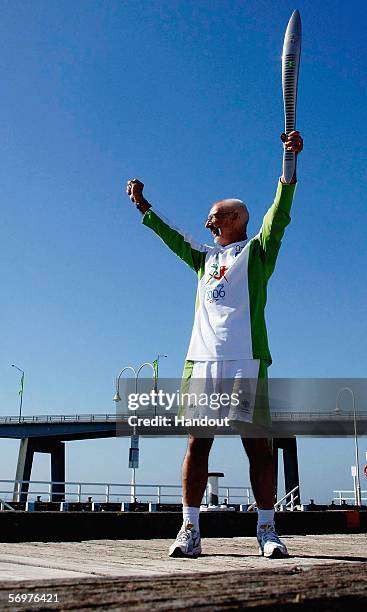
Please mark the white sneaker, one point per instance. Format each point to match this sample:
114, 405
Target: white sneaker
187, 543
269, 543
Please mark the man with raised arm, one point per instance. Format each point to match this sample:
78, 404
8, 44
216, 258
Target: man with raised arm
229, 338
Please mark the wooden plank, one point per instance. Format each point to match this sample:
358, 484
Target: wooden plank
329, 587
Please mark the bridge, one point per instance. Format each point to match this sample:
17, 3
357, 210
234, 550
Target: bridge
106, 425
49, 433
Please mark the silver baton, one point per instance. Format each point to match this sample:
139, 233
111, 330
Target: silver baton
290, 69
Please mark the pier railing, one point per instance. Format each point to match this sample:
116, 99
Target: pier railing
348, 496
112, 492
122, 416
287, 502
62, 418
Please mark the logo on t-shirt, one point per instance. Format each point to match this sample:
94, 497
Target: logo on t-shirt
214, 295
218, 272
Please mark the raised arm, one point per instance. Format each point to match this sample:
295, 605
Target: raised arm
181, 243
278, 216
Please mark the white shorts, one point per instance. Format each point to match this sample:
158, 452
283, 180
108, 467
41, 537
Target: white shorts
221, 389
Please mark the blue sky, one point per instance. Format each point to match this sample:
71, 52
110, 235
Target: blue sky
187, 96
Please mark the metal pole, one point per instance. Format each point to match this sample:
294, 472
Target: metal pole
155, 365
21, 389
133, 474
354, 476
117, 398
21, 396
358, 481
156, 371
356, 450
132, 486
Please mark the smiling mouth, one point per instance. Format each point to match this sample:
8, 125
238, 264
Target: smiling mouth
215, 231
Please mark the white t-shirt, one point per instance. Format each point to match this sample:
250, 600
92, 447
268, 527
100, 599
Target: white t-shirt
222, 327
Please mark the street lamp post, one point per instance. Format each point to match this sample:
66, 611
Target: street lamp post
135, 436
156, 366
134, 445
155, 375
356, 451
117, 397
21, 389
133, 439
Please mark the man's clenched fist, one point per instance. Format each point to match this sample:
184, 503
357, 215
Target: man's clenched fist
134, 190
292, 142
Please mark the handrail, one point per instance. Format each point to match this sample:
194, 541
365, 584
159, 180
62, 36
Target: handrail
8, 506
293, 495
341, 497
19, 487
103, 417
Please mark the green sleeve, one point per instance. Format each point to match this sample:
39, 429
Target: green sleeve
273, 226
180, 243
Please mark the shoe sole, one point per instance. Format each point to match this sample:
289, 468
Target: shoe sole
276, 554
177, 553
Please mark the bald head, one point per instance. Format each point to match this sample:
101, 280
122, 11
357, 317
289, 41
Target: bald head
236, 205
228, 221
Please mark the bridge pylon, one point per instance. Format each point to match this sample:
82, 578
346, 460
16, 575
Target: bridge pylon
29, 446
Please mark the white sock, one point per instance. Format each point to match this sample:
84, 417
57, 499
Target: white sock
265, 517
191, 515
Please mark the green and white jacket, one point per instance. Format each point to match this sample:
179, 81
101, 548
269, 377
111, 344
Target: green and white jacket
232, 284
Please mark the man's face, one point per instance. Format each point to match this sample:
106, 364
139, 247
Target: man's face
226, 222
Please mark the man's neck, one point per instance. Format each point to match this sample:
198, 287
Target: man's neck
238, 239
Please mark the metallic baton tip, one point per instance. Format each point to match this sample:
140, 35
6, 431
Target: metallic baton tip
294, 24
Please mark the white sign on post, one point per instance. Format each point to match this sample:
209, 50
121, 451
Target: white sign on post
354, 470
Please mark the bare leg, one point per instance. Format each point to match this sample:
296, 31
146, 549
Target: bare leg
195, 470
262, 474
